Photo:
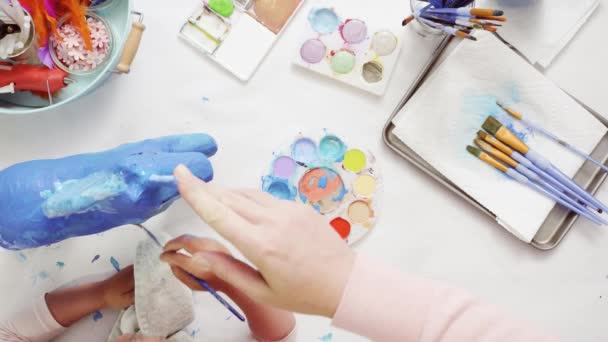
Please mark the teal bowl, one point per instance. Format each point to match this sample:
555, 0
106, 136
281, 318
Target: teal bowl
119, 17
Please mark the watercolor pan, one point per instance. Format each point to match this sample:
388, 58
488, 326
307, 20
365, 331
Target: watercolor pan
348, 50
339, 182
238, 35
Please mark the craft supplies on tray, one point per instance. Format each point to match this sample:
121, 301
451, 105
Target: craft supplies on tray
66, 48
339, 181
489, 82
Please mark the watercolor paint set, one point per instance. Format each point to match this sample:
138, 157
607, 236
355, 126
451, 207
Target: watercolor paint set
238, 34
339, 182
348, 50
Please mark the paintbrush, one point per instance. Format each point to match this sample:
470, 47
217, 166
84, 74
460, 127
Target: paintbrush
201, 282
494, 152
528, 164
450, 20
470, 12
536, 127
513, 174
502, 133
449, 30
408, 20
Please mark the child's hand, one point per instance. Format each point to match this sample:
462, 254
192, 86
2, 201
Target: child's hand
139, 338
194, 245
119, 290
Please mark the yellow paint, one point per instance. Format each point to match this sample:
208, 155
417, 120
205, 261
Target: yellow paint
507, 137
491, 161
354, 160
365, 185
359, 212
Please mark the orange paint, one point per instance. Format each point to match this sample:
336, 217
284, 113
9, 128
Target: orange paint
318, 184
341, 226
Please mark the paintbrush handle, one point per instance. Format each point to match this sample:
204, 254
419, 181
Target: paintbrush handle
564, 144
525, 181
546, 166
548, 187
556, 183
214, 293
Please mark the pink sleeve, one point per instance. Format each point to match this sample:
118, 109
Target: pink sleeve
35, 324
384, 305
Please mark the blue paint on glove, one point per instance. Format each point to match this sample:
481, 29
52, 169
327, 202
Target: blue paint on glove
46, 201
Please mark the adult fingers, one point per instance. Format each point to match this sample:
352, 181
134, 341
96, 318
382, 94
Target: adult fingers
193, 244
232, 271
220, 217
201, 143
242, 205
262, 198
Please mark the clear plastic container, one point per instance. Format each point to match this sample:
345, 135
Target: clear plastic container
81, 72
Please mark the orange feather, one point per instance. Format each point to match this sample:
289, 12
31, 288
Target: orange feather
78, 19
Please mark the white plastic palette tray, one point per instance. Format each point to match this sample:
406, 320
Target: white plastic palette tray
332, 41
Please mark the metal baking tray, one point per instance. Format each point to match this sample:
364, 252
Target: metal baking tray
558, 222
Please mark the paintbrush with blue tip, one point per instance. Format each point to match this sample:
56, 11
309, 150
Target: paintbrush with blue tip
519, 116
520, 178
502, 133
528, 164
533, 177
201, 282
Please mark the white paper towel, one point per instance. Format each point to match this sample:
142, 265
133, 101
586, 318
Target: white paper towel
443, 117
540, 29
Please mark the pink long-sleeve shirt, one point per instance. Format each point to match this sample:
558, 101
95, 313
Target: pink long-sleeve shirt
378, 303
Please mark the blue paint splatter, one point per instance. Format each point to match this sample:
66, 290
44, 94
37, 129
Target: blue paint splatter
43, 275
21, 257
228, 318
515, 93
95, 258
523, 136
97, 315
195, 332
327, 337
60, 264
115, 264
316, 207
279, 188
205, 99
322, 182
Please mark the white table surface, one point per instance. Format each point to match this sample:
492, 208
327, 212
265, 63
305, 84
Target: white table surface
423, 228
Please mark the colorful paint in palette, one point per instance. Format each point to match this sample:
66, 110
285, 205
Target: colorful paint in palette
339, 182
238, 34
348, 50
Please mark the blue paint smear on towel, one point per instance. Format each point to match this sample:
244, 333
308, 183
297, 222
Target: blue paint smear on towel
95, 258
97, 315
326, 338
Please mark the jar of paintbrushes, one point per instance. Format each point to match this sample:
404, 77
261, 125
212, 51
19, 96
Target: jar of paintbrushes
452, 17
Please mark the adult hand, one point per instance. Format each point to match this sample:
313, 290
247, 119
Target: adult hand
119, 290
46, 201
303, 265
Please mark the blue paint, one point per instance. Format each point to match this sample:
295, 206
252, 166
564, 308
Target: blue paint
341, 195
332, 148
205, 99
21, 257
523, 136
327, 337
60, 264
78, 196
42, 205
95, 258
304, 150
482, 106
515, 93
97, 315
323, 20
279, 188
43, 275
317, 208
115, 264
322, 182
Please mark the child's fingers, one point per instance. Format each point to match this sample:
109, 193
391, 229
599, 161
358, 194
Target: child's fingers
193, 244
185, 278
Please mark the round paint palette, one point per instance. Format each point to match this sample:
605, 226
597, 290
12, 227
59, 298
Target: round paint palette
339, 182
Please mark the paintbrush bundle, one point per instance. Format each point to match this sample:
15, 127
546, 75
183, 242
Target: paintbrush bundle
456, 17
505, 151
456, 100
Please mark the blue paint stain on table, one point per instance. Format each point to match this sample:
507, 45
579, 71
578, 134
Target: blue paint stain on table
327, 337
97, 315
95, 258
115, 264
60, 264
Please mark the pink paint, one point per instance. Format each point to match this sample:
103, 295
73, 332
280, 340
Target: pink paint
313, 51
354, 31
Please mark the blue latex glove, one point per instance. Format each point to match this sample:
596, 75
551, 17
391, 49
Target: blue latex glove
46, 201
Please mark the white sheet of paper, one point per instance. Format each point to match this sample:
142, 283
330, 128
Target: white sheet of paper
540, 29
443, 117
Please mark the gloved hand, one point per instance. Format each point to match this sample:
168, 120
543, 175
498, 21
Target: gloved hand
46, 201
